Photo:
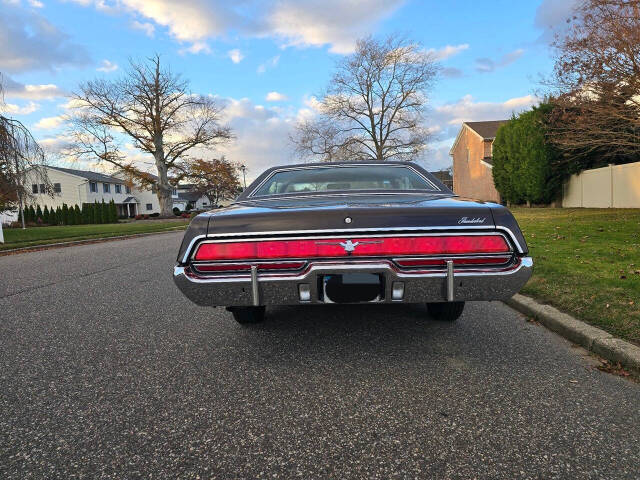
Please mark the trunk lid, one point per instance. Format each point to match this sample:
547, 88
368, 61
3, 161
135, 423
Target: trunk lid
366, 212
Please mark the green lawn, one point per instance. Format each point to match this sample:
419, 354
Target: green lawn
16, 237
587, 263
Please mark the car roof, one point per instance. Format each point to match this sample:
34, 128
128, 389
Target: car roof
246, 193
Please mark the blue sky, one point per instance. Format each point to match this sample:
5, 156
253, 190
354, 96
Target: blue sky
267, 59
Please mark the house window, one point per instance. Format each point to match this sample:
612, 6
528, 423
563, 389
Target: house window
174, 192
127, 188
468, 155
149, 206
57, 188
42, 190
106, 187
118, 188
34, 188
93, 187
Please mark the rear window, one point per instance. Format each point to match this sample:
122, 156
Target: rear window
340, 179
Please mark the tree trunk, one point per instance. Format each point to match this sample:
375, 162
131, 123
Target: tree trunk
163, 189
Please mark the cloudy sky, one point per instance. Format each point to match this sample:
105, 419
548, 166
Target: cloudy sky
267, 59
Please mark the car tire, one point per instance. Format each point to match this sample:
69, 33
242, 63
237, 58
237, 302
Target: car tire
449, 311
247, 315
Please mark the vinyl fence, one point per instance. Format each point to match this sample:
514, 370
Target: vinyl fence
615, 186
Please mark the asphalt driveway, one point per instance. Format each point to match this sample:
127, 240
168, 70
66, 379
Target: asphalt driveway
106, 371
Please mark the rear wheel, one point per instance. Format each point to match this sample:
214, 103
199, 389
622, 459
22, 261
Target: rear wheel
247, 315
449, 311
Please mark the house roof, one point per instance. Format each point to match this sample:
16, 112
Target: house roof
92, 176
189, 196
486, 130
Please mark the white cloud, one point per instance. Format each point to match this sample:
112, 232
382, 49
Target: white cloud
30, 42
447, 51
235, 55
14, 109
271, 63
332, 22
36, 4
467, 109
15, 89
551, 17
485, 65
107, 66
49, 123
276, 97
146, 27
195, 48
261, 136
335, 23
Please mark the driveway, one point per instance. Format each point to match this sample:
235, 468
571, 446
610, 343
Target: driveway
106, 371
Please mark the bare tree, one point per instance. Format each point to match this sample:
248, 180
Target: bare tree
596, 81
374, 105
19, 154
152, 108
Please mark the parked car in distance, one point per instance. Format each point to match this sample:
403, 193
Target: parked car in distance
351, 233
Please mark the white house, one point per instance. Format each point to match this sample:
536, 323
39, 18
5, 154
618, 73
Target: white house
184, 194
75, 187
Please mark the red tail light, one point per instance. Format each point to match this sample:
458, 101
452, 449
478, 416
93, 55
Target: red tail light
438, 262
245, 267
357, 247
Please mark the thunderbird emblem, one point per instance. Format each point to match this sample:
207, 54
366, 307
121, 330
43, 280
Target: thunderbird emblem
348, 246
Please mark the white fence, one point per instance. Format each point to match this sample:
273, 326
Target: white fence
615, 186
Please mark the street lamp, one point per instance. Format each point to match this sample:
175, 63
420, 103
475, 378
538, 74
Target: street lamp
244, 176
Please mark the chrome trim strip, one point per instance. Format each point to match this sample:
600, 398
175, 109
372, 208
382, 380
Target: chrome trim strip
350, 165
336, 194
450, 282
342, 231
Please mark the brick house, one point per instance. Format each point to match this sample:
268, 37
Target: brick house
472, 154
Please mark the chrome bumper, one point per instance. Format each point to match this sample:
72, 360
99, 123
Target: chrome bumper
417, 287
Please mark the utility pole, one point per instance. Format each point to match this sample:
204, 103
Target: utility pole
244, 176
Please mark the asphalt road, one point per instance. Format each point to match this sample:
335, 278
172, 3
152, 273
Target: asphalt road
106, 371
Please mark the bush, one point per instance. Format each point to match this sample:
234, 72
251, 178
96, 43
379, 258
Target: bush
38, 218
113, 212
146, 217
185, 215
523, 160
138, 217
154, 214
176, 211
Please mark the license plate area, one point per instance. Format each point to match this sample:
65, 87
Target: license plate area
352, 288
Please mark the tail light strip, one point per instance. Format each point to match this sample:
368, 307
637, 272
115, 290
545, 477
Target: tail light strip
356, 247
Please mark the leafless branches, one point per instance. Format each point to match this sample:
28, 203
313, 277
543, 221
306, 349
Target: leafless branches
19, 152
374, 106
596, 81
152, 108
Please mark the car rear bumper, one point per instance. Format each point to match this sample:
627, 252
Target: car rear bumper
415, 287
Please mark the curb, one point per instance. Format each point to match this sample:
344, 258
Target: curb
87, 241
593, 339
